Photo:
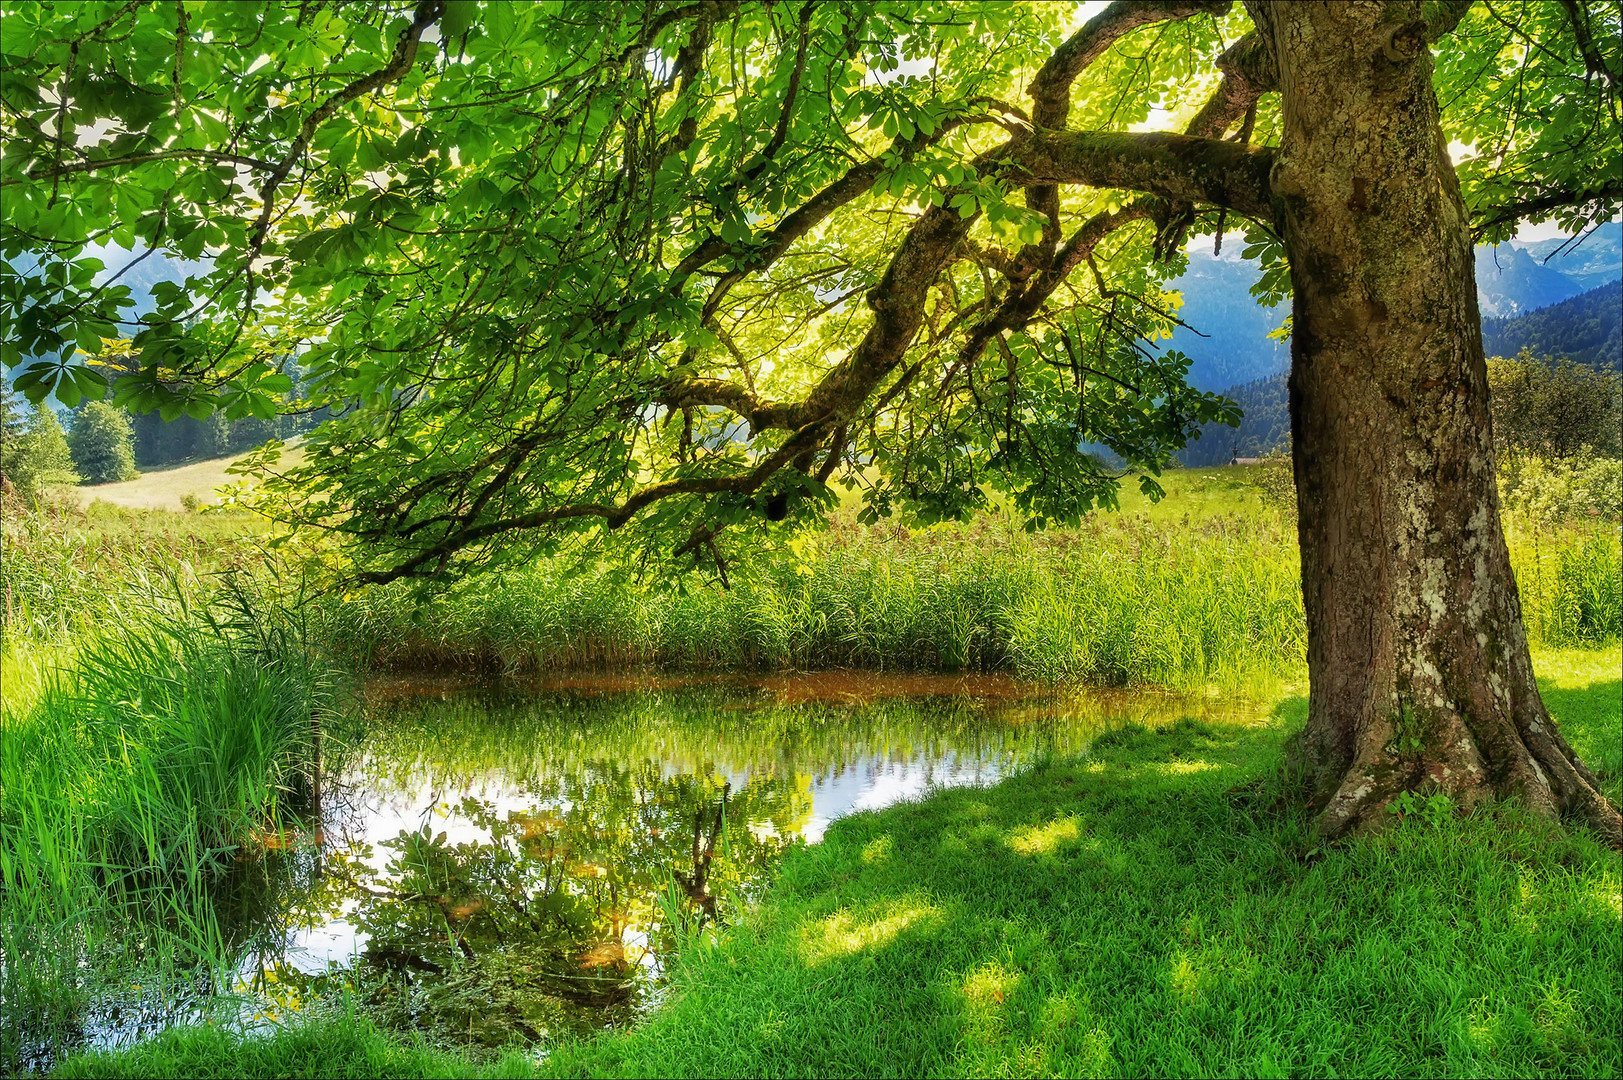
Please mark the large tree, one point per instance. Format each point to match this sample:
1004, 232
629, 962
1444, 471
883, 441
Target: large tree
661, 269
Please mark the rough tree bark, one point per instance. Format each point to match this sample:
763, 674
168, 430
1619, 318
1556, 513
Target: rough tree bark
1417, 653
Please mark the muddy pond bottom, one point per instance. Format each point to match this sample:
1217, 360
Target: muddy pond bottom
500, 863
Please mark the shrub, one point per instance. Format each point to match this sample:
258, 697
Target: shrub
1554, 408
103, 444
1544, 491
1275, 480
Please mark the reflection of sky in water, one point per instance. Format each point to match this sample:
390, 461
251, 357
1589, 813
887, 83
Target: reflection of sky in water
369, 817
362, 820
877, 783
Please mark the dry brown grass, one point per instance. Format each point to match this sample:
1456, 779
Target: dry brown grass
166, 487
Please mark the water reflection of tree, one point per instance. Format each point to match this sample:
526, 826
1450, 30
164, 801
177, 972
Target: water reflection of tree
645, 818
527, 737
552, 920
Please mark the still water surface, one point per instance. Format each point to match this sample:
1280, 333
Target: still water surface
498, 863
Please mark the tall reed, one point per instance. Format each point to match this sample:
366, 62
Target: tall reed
65, 570
1118, 601
135, 774
1571, 583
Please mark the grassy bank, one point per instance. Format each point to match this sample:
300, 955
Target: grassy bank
139, 766
1147, 908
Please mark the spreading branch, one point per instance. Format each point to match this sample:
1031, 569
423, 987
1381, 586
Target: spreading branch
1181, 168
1494, 217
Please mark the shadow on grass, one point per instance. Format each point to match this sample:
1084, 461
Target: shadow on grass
1143, 911
1589, 717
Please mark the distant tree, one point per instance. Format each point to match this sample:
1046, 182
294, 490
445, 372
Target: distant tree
13, 421
33, 449
1555, 407
47, 448
13, 432
103, 444
213, 436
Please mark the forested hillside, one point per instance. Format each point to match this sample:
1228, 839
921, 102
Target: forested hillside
1587, 328
1226, 336
1266, 425
165, 442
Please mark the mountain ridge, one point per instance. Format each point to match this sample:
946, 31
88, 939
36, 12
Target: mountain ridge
1513, 279
1587, 328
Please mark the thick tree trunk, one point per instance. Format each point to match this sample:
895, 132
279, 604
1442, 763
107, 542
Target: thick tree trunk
1418, 658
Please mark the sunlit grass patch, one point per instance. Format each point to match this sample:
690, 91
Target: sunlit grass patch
1583, 689
877, 850
987, 993
846, 932
1044, 839
1179, 923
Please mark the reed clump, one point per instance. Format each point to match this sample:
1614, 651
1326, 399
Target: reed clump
138, 768
1118, 601
1571, 583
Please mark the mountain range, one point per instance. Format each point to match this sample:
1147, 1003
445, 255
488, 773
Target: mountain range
1587, 328
1512, 279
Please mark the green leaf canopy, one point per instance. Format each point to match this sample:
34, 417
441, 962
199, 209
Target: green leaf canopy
667, 269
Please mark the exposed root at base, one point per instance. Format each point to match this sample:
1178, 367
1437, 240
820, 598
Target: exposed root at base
1363, 800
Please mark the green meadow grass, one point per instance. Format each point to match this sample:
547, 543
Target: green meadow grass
66, 571
1150, 908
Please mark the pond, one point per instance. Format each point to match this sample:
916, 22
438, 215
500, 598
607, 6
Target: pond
508, 862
